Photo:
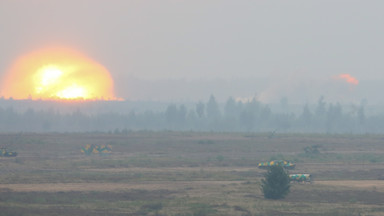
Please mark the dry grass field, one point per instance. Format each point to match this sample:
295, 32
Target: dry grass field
188, 174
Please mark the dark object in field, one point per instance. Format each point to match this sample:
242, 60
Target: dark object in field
4, 152
311, 150
283, 163
271, 135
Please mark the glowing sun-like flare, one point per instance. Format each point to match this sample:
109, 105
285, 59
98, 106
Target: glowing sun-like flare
57, 74
348, 78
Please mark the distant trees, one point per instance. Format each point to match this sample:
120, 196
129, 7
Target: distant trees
361, 115
176, 116
233, 116
213, 110
320, 109
200, 109
306, 116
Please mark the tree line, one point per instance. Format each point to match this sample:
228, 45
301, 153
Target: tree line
232, 116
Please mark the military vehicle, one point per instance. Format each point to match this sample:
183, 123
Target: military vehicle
300, 177
283, 163
4, 152
95, 149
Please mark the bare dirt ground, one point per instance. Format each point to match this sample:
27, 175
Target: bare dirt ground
64, 187
377, 185
364, 184
161, 173
178, 169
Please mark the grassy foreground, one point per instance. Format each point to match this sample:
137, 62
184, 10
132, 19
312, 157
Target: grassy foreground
187, 173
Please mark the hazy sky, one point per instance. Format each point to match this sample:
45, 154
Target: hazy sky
186, 50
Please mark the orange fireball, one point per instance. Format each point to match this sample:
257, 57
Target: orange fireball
348, 78
57, 74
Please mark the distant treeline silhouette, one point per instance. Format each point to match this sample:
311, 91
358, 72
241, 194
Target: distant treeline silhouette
233, 116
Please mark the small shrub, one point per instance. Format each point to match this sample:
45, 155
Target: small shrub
276, 183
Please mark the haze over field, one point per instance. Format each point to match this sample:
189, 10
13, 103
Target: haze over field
186, 50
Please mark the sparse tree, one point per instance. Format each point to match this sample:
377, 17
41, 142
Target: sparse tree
230, 109
247, 119
171, 115
276, 183
306, 116
182, 116
213, 111
200, 109
320, 109
284, 104
361, 115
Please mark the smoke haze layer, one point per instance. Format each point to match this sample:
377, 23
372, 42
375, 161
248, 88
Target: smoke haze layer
287, 48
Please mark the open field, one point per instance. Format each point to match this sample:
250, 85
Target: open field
186, 173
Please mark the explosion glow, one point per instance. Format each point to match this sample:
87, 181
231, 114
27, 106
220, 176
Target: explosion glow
348, 78
57, 74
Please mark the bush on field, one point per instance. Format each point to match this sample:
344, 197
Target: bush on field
276, 183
